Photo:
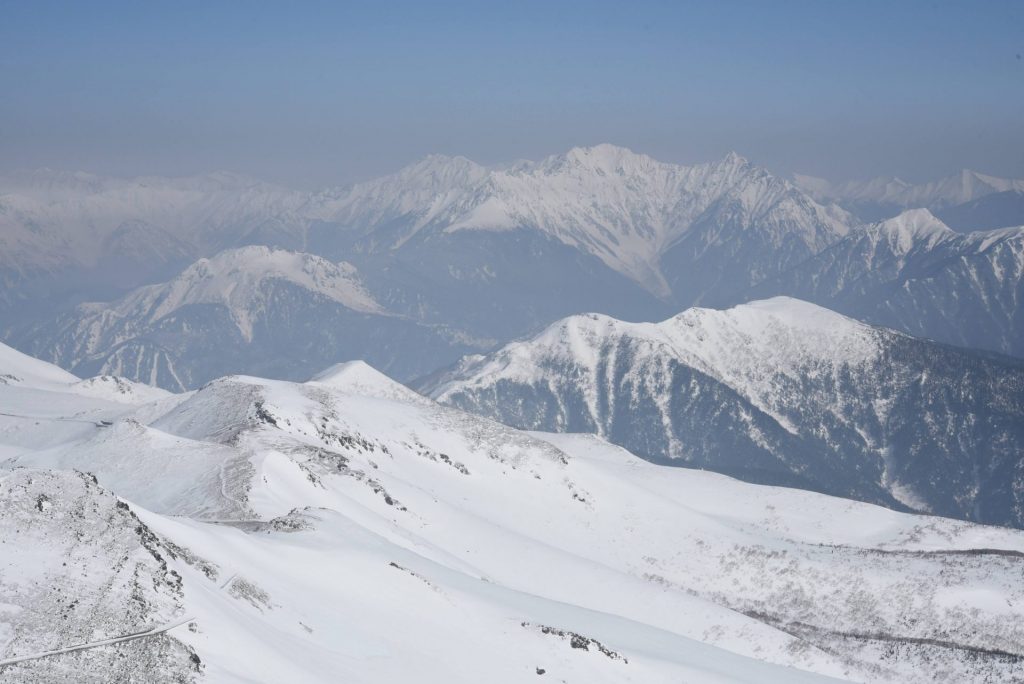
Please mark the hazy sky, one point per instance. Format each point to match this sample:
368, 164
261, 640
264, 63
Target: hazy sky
324, 93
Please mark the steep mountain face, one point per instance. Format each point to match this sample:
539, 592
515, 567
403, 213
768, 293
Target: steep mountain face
623, 208
598, 228
779, 391
255, 309
914, 274
347, 528
760, 227
881, 198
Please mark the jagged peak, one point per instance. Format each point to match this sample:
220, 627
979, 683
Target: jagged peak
735, 159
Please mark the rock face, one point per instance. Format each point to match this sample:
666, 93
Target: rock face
777, 391
912, 273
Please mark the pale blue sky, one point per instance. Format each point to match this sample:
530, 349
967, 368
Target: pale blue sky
325, 93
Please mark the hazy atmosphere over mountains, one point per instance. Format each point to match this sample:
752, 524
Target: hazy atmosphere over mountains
582, 342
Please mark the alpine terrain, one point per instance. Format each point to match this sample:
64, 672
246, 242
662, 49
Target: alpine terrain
776, 391
347, 528
914, 274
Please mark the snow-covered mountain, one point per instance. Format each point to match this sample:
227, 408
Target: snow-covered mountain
626, 209
495, 252
914, 274
461, 256
348, 529
886, 196
252, 308
777, 391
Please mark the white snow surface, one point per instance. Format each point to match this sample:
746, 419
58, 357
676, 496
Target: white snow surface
344, 530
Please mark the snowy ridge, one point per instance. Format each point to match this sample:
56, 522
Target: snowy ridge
913, 273
234, 279
744, 346
16, 367
313, 532
779, 391
283, 312
421, 189
623, 207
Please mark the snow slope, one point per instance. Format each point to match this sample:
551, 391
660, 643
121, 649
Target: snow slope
381, 537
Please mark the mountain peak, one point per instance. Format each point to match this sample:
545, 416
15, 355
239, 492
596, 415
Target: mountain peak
235, 278
912, 227
604, 156
359, 377
734, 158
441, 163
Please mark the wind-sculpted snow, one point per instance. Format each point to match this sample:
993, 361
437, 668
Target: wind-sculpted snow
777, 391
914, 274
381, 537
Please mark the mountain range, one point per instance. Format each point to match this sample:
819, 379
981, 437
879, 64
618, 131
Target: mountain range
778, 391
458, 258
914, 274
